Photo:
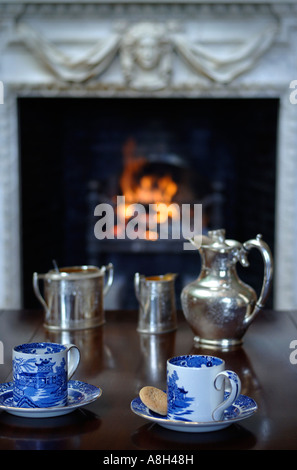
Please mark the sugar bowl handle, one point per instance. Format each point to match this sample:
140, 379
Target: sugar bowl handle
268, 273
36, 278
109, 270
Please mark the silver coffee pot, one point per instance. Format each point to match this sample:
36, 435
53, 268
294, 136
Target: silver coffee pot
218, 306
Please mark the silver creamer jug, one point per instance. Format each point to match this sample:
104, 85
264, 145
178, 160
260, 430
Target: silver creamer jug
156, 296
218, 306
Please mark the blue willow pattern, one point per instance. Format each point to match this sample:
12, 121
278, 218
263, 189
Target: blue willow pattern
179, 402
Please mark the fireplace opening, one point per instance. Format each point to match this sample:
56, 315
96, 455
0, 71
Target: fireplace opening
77, 153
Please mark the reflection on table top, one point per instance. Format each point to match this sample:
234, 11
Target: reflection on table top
118, 359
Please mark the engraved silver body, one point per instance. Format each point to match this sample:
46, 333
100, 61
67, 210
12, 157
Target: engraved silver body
156, 296
73, 297
218, 306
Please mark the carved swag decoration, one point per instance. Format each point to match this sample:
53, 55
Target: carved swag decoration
147, 50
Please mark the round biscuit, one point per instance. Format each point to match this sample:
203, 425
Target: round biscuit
154, 399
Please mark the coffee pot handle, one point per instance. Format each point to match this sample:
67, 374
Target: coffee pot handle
109, 269
268, 273
36, 278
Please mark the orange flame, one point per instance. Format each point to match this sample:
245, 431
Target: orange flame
149, 189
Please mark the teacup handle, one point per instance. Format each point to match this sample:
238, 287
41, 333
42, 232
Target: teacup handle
109, 269
73, 356
138, 283
235, 384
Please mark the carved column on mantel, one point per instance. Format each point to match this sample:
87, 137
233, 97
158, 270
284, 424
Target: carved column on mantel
10, 234
10, 259
286, 203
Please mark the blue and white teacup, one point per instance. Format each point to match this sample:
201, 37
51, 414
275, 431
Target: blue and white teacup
41, 372
196, 388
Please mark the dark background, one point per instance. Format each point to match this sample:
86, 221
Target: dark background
70, 146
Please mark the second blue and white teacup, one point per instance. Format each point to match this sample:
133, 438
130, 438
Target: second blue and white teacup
196, 388
41, 372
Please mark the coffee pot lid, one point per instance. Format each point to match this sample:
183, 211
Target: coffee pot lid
215, 240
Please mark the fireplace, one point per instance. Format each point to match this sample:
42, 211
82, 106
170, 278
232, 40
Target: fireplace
220, 153
223, 62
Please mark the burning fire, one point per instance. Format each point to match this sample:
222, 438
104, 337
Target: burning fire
146, 189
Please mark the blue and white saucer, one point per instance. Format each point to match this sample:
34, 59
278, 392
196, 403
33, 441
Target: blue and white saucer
79, 394
243, 408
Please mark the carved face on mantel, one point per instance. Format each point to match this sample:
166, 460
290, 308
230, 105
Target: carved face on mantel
145, 56
147, 53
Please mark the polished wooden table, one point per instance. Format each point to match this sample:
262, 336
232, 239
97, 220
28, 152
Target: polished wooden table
119, 360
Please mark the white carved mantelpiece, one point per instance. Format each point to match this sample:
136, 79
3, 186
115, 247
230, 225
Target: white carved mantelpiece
159, 49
